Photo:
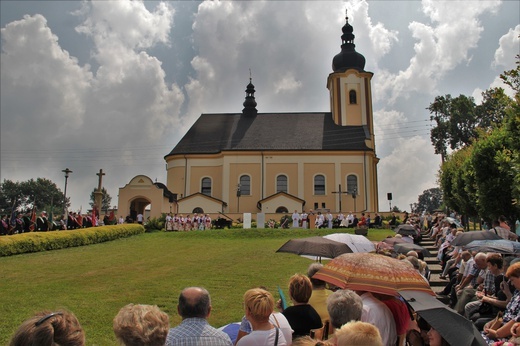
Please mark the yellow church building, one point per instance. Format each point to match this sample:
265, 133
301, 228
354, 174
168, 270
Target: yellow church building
253, 162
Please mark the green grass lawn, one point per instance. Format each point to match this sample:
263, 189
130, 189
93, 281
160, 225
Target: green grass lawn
95, 281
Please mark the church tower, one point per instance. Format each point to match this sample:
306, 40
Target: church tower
349, 87
250, 102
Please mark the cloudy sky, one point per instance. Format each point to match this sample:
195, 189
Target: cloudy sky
92, 85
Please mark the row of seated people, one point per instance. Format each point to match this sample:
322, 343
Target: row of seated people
333, 317
482, 285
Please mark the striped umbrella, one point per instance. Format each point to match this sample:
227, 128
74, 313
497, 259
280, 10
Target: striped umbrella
373, 273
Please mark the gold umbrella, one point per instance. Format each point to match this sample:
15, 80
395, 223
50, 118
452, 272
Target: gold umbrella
373, 273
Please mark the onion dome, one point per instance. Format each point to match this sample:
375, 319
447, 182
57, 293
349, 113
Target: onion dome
250, 103
348, 57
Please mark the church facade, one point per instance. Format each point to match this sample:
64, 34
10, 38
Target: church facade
280, 162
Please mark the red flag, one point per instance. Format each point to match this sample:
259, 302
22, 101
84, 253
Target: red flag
33, 220
94, 217
111, 217
79, 220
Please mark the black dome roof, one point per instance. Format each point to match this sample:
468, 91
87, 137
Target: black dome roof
348, 57
250, 103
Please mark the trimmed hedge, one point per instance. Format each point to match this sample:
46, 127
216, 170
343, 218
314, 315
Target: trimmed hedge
43, 241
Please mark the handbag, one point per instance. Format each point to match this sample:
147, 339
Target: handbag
496, 322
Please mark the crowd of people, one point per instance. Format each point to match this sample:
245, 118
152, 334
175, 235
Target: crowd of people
261, 325
481, 286
317, 315
19, 223
327, 220
179, 222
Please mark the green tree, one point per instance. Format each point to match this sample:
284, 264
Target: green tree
512, 78
105, 201
41, 193
455, 120
496, 164
458, 121
429, 200
395, 209
457, 182
492, 111
439, 135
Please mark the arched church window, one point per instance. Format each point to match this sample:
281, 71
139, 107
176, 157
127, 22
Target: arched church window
282, 210
245, 185
319, 184
281, 183
205, 188
352, 96
198, 210
352, 184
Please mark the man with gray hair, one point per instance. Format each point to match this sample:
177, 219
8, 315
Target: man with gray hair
344, 306
195, 307
475, 275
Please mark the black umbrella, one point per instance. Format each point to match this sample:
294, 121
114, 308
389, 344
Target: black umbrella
406, 230
315, 246
454, 328
405, 247
467, 237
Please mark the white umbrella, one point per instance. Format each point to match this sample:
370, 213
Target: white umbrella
357, 243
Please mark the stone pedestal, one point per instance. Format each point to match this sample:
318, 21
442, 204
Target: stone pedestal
260, 220
247, 221
98, 200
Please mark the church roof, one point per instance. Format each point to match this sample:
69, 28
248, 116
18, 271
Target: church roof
166, 193
213, 133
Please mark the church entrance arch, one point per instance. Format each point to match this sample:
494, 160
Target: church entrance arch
138, 206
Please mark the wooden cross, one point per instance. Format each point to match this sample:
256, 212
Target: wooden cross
340, 193
100, 175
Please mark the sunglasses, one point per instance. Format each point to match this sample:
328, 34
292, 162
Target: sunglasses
45, 318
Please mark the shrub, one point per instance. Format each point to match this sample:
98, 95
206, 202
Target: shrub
155, 223
43, 241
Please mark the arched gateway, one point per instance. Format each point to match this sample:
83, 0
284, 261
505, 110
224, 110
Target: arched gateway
140, 192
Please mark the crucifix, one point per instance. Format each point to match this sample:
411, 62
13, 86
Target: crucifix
98, 195
100, 175
340, 193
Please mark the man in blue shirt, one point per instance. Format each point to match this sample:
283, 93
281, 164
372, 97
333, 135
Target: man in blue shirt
194, 308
